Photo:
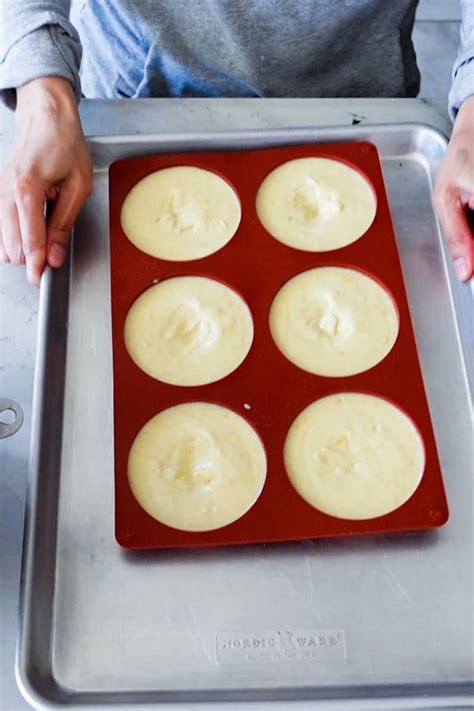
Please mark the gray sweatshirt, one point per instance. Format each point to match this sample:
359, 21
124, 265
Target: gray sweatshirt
300, 48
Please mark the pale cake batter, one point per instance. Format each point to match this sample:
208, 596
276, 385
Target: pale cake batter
333, 321
354, 456
316, 204
181, 213
197, 467
188, 331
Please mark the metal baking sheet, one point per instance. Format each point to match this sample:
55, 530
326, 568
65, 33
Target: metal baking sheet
381, 622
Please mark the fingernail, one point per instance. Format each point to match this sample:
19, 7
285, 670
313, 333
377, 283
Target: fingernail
56, 254
460, 267
32, 276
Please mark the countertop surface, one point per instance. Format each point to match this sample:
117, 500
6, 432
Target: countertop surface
19, 301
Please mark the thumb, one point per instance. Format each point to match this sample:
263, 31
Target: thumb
455, 223
72, 195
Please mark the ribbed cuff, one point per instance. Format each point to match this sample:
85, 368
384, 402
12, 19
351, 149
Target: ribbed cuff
462, 87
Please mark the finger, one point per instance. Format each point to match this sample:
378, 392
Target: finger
72, 196
11, 235
467, 198
453, 218
30, 207
3, 252
52, 192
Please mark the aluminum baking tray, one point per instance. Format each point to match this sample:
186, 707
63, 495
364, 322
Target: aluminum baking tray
361, 623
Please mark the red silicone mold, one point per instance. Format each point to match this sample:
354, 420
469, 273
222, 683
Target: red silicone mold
257, 265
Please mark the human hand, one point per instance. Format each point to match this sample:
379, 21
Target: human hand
50, 162
454, 192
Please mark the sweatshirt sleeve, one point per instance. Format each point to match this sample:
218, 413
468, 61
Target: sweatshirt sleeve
463, 70
36, 40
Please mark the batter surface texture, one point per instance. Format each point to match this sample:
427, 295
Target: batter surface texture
316, 204
181, 213
197, 467
354, 456
333, 321
188, 331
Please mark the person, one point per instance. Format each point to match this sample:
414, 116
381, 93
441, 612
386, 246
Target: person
142, 48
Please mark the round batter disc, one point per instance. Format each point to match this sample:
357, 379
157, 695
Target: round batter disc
354, 456
316, 204
333, 321
197, 467
188, 331
181, 213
